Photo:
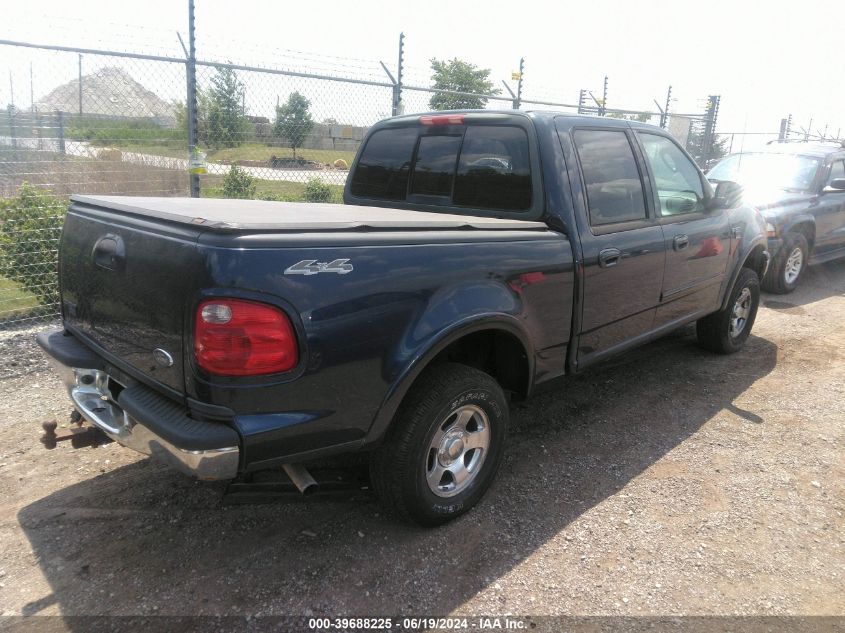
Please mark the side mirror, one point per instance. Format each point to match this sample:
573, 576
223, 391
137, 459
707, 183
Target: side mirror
836, 185
728, 195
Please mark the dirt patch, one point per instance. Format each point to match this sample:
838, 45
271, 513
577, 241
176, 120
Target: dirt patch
670, 481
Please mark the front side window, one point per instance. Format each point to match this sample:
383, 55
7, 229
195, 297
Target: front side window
614, 188
679, 186
837, 170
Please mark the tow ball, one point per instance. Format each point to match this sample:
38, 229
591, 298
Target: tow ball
80, 434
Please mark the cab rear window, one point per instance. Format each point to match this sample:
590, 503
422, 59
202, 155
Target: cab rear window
484, 167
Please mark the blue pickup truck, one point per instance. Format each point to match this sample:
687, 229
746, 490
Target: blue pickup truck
478, 255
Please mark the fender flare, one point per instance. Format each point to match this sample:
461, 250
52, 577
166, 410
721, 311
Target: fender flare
740, 260
804, 218
421, 360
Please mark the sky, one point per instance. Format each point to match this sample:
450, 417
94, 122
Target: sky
766, 60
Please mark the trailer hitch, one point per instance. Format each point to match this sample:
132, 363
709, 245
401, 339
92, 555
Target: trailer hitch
80, 433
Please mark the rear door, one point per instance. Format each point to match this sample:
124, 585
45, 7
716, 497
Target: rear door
698, 240
622, 242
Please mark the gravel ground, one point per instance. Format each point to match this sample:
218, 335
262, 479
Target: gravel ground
669, 481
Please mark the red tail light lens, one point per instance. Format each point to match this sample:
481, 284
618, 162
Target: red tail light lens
442, 119
233, 337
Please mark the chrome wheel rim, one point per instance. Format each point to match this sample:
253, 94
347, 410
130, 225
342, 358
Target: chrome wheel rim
740, 313
793, 266
457, 451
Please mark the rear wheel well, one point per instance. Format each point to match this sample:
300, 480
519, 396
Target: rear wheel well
495, 352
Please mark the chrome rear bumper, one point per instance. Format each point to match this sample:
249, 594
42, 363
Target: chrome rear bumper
92, 396
97, 397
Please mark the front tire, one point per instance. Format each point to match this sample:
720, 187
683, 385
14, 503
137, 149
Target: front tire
789, 265
726, 331
444, 447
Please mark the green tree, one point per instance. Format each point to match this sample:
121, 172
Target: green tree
221, 106
460, 76
238, 184
293, 121
316, 191
696, 149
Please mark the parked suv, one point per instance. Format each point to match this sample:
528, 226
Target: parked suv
800, 189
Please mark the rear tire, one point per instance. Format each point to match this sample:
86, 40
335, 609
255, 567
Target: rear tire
444, 447
789, 265
726, 331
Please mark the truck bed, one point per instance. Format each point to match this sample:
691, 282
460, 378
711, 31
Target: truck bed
237, 215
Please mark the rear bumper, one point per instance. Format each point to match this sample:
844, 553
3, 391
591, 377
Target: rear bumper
139, 418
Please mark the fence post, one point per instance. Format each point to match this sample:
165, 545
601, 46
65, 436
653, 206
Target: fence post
709, 128
396, 106
664, 117
518, 101
582, 97
191, 75
61, 132
80, 84
782, 132
11, 111
603, 108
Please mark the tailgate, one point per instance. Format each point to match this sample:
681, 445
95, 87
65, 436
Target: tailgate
126, 283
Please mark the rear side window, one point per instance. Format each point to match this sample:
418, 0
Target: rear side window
614, 189
485, 167
384, 166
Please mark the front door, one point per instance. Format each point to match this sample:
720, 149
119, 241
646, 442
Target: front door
698, 240
829, 211
623, 246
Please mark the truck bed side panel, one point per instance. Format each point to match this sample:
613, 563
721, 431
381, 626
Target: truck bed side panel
364, 328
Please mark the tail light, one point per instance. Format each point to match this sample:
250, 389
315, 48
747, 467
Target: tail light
442, 119
233, 337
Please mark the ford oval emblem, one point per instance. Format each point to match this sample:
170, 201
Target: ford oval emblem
163, 357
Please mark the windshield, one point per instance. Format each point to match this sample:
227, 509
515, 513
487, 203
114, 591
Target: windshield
790, 172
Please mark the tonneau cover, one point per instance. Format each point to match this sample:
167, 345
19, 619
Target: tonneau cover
234, 215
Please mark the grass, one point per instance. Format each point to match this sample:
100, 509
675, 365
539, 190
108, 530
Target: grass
278, 189
14, 300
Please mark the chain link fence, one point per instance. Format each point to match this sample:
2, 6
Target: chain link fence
110, 122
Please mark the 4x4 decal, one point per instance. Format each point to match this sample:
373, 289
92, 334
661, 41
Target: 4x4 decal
312, 267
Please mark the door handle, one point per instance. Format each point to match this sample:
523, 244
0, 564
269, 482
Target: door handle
109, 252
609, 257
681, 242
